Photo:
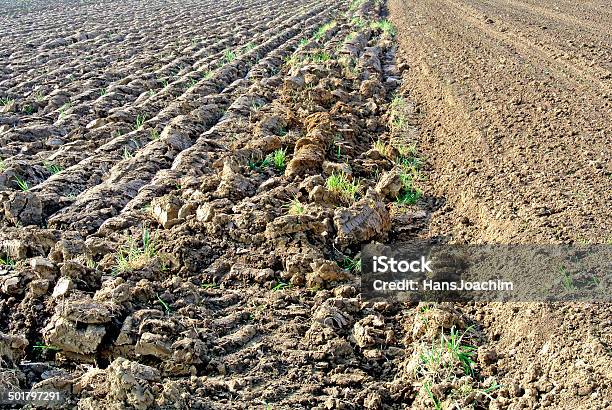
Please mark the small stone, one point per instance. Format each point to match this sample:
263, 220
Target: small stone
43, 266
23, 208
11, 286
97, 123
63, 285
65, 335
166, 210
205, 213
151, 344
390, 185
323, 272
295, 82
337, 168
186, 210
39, 287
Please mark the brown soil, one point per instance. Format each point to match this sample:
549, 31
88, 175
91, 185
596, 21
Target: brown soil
159, 252
516, 129
518, 102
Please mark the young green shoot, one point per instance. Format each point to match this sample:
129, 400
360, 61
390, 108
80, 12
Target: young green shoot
247, 47
385, 26
7, 261
382, 147
140, 120
6, 101
192, 83
323, 30
127, 154
259, 164
351, 264
279, 159
321, 57
256, 106
342, 185
566, 279
358, 23
229, 56
435, 402
281, 286
22, 184
63, 109
133, 256
355, 4
91, 264
164, 304
53, 168
296, 207
409, 195
42, 346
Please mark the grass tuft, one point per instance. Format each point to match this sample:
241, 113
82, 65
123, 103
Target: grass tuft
229, 56
6, 101
324, 29
140, 120
296, 207
22, 184
279, 159
342, 185
321, 57
440, 361
7, 261
281, 286
167, 308
133, 256
385, 25
409, 195
52, 168
351, 264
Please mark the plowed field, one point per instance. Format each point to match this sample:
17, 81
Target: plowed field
185, 188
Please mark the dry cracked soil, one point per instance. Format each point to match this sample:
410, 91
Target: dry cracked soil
185, 187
